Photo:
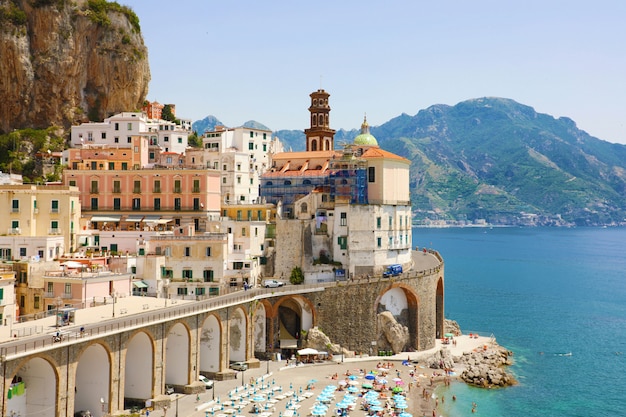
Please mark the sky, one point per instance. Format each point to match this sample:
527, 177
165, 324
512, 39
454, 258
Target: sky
260, 60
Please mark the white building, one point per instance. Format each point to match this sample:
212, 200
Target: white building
119, 129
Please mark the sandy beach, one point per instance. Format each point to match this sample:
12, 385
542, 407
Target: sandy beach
285, 387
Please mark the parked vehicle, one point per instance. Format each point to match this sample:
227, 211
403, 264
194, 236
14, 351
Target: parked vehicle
239, 366
272, 283
392, 271
169, 390
208, 384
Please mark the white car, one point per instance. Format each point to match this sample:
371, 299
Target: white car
208, 384
272, 283
239, 366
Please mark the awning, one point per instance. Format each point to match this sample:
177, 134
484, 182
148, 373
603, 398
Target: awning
105, 218
140, 284
151, 218
308, 351
134, 218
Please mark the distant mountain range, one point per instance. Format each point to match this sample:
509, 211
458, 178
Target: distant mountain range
495, 161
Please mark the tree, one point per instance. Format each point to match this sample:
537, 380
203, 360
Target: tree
296, 277
166, 114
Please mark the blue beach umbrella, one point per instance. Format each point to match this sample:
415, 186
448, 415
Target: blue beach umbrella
371, 377
353, 377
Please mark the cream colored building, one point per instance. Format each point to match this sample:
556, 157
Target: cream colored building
8, 310
41, 221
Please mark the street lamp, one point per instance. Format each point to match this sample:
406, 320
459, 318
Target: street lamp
113, 294
58, 304
213, 391
177, 397
242, 382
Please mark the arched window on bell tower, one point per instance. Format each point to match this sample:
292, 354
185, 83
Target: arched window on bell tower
313, 145
319, 130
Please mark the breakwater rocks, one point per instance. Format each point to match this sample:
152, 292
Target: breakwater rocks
485, 367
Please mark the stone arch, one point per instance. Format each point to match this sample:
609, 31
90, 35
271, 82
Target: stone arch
210, 345
177, 355
238, 335
439, 311
93, 379
139, 368
292, 314
402, 301
33, 389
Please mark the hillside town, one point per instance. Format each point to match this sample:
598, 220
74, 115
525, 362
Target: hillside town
139, 212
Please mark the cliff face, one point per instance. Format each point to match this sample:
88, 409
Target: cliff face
64, 62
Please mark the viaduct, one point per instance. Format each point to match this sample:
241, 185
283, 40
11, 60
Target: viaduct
118, 362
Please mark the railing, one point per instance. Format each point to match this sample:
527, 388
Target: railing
19, 348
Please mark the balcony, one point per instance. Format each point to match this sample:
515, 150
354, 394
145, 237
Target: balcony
14, 231
54, 231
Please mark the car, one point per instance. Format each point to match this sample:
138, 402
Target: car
239, 366
272, 283
208, 384
169, 390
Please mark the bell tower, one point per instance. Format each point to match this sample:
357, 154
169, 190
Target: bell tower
319, 137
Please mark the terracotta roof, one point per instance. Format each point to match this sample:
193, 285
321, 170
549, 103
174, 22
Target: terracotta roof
374, 152
306, 155
291, 174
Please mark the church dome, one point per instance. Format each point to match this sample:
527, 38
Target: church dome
365, 138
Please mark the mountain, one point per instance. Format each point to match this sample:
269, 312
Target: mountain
62, 62
210, 122
497, 161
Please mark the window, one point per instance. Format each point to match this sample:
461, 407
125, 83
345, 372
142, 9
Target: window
207, 251
196, 204
103, 135
124, 166
129, 140
237, 265
200, 290
243, 231
187, 251
251, 134
117, 204
68, 288
22, 251
117, 126
73, 183
343, 219
157, 186
238, 179
116, 139
50, 287
342, 241
94, 203
136, 203
177, 204
137, 187
208, 276
157, 204
238, 215
378, 222
181, 291
36, 303
196, 186
54, 227
250, 146
177, 188
55, 206
187, 274
371, 174
264, 147
379, 242
390, 222
129, 126
180, 140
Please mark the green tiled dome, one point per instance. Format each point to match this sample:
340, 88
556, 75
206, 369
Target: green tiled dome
365, 138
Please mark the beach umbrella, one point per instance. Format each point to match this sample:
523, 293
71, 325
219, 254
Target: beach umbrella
405, 414
352, 388
374, 402
312, 381
371, 377
258, 398
396, 389
353, 382
382, 381
376, 408
403, 406
353, 377
343, 382
367, 386
397, 379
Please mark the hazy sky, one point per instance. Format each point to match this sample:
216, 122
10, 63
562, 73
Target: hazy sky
260, 60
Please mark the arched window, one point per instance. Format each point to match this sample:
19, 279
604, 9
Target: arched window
314, 145
314, 120
306, 182
287, 182
344, 181
269, 183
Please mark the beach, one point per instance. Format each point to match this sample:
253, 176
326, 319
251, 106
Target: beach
287, 385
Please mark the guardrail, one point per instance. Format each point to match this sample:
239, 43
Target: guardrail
17, 348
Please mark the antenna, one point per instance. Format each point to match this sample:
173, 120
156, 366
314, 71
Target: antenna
321, 77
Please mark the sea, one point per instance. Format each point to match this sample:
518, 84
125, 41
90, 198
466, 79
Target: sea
555, 297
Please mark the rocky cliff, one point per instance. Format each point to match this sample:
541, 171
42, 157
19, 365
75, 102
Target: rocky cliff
63, 62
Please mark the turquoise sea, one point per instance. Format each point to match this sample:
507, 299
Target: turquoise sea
542, 292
